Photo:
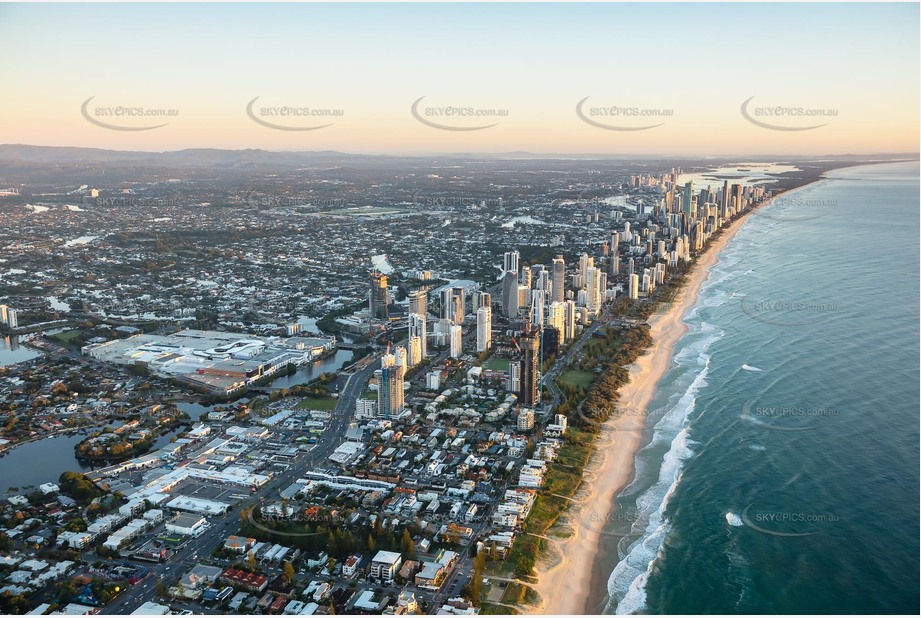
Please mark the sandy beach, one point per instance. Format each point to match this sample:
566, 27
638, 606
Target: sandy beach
564, 579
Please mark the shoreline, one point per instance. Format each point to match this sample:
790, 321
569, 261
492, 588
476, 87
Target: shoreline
612, 464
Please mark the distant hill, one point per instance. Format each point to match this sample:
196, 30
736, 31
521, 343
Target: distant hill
15, 155
210, 157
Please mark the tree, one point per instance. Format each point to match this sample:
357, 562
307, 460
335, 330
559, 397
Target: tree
12, 604
474, 588
251, 560
493, 551
407, 547
287, 572
372, 544
66, 590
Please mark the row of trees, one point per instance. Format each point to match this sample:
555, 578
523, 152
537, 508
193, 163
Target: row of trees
602, 396
473, 589
612, 349
315, 389
325, 535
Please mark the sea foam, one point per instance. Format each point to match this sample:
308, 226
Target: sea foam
627, 583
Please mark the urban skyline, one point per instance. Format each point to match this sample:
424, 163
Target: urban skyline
459, 308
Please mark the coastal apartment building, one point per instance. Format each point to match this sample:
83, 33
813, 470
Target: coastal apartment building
385, 565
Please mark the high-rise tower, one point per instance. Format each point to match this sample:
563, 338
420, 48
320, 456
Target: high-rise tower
390, 386
378, 298
559, 279
530, 367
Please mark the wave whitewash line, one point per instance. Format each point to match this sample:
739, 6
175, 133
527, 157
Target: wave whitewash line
568, 582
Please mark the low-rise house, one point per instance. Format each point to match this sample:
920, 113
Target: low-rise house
237, 601
48, 488
245, 580
409, 569
239, 544
430, 576
75, 540
367, 603
350, 566
201, 576
149, 608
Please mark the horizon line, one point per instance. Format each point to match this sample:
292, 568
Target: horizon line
481, 154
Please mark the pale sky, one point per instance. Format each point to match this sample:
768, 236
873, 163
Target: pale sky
537, 61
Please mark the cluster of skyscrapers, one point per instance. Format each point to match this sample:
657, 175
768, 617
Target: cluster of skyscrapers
682, 221
539, 294
693, 217
416, 335
542, 310
449, 329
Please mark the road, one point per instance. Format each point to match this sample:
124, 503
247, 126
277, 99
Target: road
202, 547
562, 362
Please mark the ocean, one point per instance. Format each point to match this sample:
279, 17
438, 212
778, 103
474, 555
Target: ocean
781, 474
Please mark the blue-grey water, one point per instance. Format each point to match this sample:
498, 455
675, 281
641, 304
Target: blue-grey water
43, 461
782, 473
12, 351
312, 371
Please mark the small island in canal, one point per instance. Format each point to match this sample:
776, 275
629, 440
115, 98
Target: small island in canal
132, 438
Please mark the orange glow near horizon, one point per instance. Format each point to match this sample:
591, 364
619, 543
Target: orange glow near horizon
535, 62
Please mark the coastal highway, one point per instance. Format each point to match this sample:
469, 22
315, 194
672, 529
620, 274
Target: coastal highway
201, 547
